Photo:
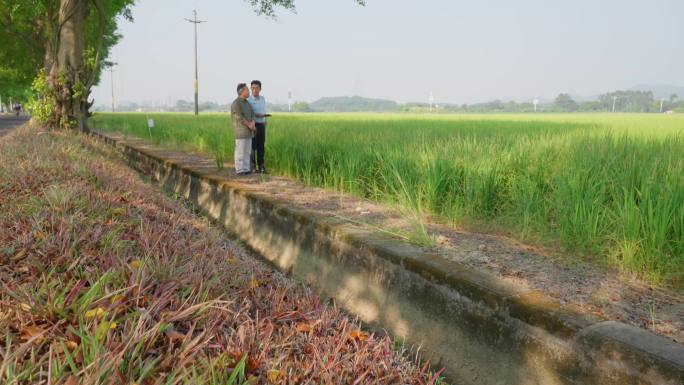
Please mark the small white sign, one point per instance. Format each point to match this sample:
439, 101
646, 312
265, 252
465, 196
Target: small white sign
150, 123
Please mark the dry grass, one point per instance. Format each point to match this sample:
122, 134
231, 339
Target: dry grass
106, 281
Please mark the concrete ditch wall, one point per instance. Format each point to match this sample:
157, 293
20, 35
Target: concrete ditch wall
481, 329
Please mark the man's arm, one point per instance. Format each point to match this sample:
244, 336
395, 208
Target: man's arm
250, 124
236, 110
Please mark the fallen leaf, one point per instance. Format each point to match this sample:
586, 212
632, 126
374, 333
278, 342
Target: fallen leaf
71, 345
358, 335
119, 298
274, 376
78, 358
309, 349
19, 255
304, 327
174, 335
28, 332
252, 364
135, 264
97, 312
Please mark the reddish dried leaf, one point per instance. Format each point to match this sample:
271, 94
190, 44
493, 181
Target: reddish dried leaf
31, 331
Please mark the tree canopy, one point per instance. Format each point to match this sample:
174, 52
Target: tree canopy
565, 103
30, 39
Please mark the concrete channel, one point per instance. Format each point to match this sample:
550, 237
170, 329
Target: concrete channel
482, 330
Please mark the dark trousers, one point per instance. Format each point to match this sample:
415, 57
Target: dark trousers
258, 147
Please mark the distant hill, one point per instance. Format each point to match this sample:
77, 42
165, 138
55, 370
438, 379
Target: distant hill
353, 104
661, 91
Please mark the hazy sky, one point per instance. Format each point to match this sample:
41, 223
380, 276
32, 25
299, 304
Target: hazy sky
462, 51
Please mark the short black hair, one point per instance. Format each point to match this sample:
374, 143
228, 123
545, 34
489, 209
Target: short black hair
240, 87
257, 82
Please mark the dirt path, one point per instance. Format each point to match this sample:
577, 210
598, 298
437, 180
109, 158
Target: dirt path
597, 290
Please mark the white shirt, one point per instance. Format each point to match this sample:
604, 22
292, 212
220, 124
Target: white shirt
259, 107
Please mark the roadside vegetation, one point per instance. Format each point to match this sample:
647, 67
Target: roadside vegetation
104, 280
607, 187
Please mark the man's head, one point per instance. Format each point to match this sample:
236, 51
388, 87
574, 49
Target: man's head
256, 88
242, 90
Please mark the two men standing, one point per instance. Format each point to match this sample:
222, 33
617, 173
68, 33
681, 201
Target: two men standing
248, 114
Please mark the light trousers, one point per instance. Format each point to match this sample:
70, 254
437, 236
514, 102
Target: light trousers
243, 150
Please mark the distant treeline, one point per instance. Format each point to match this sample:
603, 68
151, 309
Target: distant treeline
618, 101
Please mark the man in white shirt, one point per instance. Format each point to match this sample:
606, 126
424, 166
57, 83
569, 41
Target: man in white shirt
258, 104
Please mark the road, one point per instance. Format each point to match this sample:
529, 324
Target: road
8, 122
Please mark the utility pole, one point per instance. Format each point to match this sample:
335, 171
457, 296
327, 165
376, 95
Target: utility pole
661, 105
194, 21
289, 100
614, 100
111, 76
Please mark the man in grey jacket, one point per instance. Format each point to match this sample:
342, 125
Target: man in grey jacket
244, 127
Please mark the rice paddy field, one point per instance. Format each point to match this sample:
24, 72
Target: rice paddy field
602, 187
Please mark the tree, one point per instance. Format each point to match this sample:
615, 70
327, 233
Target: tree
565, 103
62, 45
673, 98
301, 107
21, 48
628, 101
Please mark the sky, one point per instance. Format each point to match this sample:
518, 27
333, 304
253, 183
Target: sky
460, 51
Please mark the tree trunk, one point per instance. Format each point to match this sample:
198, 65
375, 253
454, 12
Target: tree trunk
68, 73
